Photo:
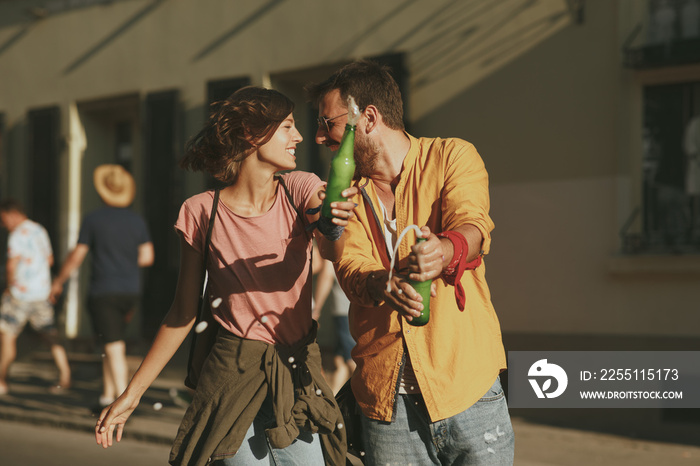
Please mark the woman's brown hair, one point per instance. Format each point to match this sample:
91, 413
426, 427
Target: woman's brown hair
247, 118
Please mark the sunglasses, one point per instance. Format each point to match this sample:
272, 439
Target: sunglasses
323, 122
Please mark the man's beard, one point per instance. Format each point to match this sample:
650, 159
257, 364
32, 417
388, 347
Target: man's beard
366, 153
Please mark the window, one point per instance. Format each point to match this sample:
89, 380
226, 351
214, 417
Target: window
671, 168
666, 60
671, 35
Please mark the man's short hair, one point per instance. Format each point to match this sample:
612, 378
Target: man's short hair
11, 205
370, 84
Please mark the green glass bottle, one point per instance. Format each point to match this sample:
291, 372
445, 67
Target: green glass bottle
342, 171
423, 288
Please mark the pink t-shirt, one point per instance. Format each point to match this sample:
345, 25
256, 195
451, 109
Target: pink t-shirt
258, 266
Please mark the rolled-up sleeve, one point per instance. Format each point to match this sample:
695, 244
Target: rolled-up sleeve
466, 193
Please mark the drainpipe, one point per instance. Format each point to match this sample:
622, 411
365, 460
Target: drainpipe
77, 144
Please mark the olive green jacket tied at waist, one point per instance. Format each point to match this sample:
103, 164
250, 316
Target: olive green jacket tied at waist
234, 382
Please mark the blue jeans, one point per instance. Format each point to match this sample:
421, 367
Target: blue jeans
256, 450
482, 434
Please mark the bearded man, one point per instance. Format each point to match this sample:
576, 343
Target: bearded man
429, 394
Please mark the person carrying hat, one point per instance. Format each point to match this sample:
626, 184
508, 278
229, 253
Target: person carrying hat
120, 244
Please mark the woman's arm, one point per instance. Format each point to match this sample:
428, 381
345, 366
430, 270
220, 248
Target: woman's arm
342, 213
172, 332
324, 284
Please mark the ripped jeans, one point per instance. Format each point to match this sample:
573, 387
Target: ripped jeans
481, 435
256, 450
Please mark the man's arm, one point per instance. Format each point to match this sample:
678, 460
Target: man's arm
73, 261
10, 268
146, 255
465, 208
432, 256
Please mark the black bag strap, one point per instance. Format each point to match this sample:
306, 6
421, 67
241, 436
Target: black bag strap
289, 198
207, 242
299, 216
202, 299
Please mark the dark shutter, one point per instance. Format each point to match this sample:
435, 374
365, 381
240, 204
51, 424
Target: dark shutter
163, 194
44, 150
220, 89
3, 191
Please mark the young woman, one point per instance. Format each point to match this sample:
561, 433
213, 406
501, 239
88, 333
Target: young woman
261, 396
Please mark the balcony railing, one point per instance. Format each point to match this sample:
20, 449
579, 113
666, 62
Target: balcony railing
673, 53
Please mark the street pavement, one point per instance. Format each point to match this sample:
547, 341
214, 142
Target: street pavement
24, 444
31, 399
158, 416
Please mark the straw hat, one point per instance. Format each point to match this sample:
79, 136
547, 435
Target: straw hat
115, 185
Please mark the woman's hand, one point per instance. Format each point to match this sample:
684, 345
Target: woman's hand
114, 417
330, 238
343, 210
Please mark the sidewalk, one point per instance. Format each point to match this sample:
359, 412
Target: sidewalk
157, 418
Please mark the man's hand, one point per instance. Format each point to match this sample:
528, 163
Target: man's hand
56, 292
73, 261
427, 258
401, 297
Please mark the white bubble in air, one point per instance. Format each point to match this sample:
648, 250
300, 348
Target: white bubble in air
202, 326
157, 406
